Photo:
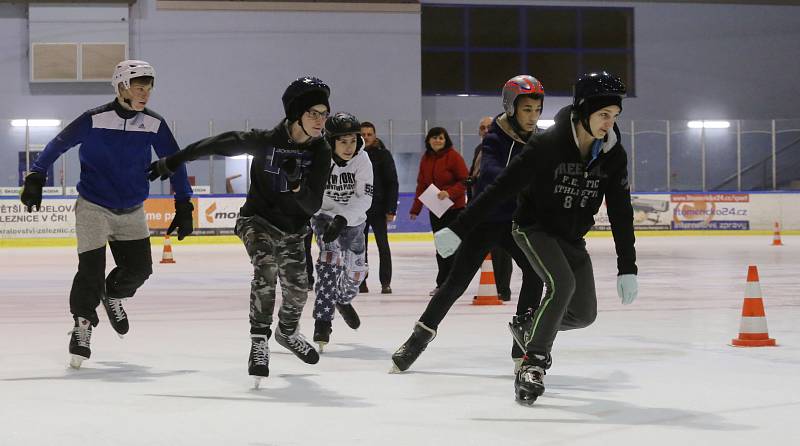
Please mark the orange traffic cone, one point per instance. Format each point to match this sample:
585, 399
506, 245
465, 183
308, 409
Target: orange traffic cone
167, 256
487, 289
753, 329
776, 238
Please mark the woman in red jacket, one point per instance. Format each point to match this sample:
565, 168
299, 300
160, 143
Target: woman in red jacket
444, 167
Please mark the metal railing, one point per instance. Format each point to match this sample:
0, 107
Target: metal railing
663, 156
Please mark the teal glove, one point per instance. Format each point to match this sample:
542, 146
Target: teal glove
627, 288
446, 242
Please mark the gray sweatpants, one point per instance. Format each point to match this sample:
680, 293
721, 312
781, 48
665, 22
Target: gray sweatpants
274, 254
96, 225
570, 300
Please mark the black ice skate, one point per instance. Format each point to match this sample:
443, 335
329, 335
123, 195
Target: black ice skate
79, 342
412, 348
258, 363
116, 315
349, 315
322, 333
521, 328
297, 344
529, 384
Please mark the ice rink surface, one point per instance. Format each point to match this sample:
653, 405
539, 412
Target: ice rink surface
658, 372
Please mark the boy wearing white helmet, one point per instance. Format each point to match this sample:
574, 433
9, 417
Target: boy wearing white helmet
291, 163
116, 140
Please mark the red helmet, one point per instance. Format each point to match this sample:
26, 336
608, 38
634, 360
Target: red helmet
517, 86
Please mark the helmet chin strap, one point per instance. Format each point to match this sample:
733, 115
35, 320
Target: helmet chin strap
300, 122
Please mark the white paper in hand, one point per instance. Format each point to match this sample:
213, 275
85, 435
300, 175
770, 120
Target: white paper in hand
433, 203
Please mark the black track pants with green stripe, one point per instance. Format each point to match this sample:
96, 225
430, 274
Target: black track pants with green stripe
569, 300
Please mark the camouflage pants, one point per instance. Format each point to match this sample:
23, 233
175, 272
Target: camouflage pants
340, 268
274, 254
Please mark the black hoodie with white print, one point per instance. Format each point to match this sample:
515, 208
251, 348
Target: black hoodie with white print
560, 193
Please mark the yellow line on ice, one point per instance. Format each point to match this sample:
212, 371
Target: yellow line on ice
398, 237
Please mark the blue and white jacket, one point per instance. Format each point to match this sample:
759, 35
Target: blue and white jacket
115, 152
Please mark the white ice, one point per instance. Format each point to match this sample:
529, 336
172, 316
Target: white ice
658, 372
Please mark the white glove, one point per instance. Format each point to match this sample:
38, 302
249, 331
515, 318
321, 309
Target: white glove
446, 242
627, 288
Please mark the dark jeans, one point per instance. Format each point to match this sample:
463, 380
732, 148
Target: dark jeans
501, 264
134, 265
467, 261
437, 224
570, 300
378, 223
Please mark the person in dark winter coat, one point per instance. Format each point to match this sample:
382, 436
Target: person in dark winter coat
384, 204
289, 170
442, 166
522, 101
116, 142
560, 181
501, 261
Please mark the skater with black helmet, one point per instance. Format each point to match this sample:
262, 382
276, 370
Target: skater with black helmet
560, 180
116, 142
522, 98
339, 227
290, 166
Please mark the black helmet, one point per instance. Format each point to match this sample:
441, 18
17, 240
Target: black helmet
594, 91
597, 84
302, 94
340, 124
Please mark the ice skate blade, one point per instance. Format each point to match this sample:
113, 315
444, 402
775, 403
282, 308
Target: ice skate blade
121, 336
395, 369
76, 361
526, 402
321, 346
257, 382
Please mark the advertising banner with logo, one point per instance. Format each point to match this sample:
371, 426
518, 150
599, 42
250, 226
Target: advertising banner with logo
218, 212
55, 218
711, 211
161, 211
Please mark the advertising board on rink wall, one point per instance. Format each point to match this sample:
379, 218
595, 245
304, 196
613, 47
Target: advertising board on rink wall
216, 214
711, 211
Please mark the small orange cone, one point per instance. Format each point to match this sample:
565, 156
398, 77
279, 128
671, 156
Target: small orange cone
776, 238
167, 256
753, 329
487, 289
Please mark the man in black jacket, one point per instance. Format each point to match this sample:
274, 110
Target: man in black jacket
384, 203
560, 180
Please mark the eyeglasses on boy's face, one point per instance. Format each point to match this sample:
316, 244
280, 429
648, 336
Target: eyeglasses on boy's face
317, 115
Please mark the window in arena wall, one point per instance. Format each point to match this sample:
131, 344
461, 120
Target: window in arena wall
474, 49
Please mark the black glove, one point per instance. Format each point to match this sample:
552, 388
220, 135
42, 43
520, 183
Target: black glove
183, 219
334, 229
31, 195
291, 168
163, 169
